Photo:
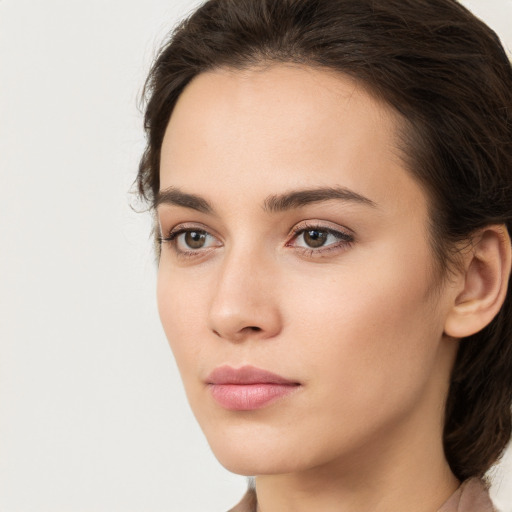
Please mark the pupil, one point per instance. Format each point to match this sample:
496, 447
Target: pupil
195, 239
315, 238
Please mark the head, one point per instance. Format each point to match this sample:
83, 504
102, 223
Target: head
428, 88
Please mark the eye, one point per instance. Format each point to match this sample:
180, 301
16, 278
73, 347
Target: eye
186, 241
315, 238
192, 239
319, 238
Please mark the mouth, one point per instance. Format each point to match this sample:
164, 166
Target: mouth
247, 388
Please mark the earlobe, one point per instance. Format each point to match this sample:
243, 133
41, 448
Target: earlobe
487, 266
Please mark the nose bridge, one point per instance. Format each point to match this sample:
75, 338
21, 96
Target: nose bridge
244, 302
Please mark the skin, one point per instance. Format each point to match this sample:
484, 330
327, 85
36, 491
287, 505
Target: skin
359, 322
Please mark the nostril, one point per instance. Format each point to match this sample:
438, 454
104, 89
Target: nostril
238, 333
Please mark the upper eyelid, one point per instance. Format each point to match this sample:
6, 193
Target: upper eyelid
320, 225
188, 226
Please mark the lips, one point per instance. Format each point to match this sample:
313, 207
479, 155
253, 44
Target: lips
247, 388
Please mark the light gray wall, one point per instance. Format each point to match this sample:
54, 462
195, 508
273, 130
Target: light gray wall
92, 414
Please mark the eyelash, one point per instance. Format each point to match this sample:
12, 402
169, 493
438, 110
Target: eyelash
344, 240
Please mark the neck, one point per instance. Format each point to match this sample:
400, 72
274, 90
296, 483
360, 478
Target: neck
404, 469
382, 485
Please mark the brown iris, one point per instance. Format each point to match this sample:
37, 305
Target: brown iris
195, 239
315, 237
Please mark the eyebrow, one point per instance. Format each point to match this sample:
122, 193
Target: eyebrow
174, 196
273, 203
300, 198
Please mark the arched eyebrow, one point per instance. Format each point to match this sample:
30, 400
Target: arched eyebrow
174, 196
300, 198
273, 203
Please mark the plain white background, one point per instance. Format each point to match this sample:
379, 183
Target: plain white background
92, 414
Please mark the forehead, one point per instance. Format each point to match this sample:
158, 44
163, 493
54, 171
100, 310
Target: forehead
284, 126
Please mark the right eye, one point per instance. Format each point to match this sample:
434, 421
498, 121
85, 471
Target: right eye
187, 241
192, 239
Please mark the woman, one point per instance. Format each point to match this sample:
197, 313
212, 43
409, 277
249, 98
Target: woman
332, 188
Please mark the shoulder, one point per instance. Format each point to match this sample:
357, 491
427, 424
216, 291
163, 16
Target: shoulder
471, 496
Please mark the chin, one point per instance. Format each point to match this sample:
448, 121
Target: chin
248, 455
255, 451
245, 463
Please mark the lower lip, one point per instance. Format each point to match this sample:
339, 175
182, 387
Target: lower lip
248, 397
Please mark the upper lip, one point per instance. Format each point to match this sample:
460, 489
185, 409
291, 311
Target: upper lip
245, 375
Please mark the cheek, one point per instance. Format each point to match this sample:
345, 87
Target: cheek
179, 306
370, 334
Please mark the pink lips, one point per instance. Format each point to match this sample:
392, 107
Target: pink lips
247, 388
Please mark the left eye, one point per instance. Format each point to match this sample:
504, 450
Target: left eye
315, 238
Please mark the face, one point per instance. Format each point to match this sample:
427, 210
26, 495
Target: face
296, 283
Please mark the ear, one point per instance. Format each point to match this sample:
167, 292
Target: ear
484, 282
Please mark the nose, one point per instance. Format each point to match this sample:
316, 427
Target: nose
245, 302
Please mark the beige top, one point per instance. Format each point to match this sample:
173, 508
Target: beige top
471, 496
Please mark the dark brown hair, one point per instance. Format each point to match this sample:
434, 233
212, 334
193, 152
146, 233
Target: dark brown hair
447, 75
